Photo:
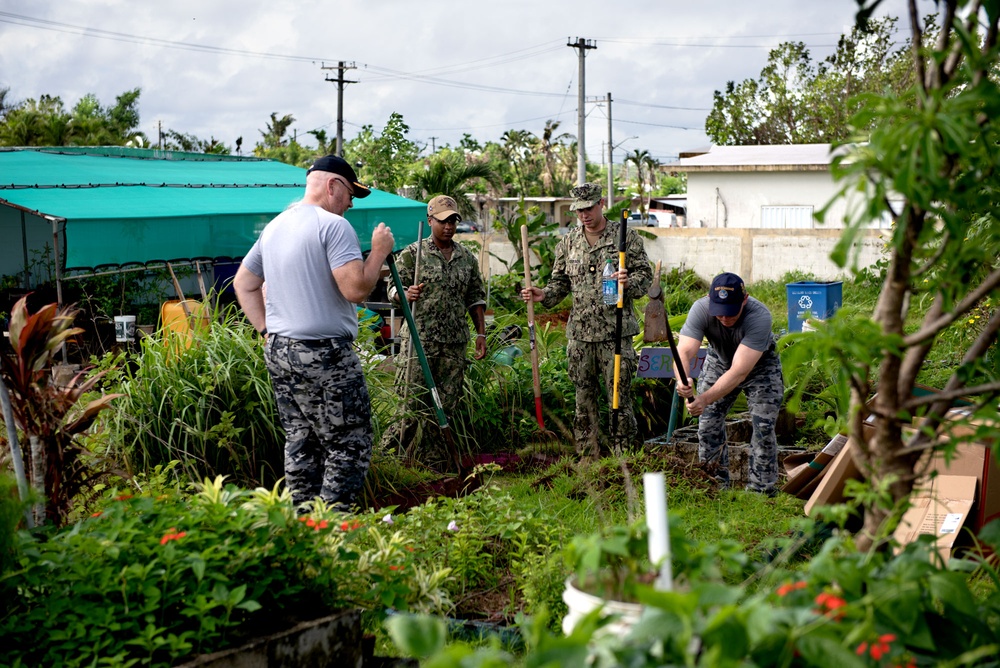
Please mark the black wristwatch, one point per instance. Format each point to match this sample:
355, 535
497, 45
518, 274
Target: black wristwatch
263, 332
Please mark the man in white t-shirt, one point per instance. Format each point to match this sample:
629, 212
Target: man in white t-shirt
311, 258
741, 358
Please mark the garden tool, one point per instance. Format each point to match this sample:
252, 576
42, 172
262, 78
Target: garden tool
428, 378
413, 307
180, 294
655, 327
531, 330
622, 228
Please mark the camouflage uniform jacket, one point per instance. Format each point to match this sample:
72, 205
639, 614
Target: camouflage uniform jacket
451, 288
578, 268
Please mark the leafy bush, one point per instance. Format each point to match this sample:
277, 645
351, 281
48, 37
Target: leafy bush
846, 608
156, 579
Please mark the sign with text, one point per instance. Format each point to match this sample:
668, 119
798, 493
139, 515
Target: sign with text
658, 363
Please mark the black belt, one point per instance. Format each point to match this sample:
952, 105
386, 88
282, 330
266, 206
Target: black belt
321, 343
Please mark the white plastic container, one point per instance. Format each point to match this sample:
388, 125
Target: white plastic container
124, 328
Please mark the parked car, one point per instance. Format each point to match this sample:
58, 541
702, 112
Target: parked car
466, 227
636, 220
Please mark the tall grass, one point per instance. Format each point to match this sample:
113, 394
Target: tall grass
205, 401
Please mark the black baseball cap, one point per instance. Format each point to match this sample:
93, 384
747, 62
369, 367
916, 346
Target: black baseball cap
725, 297
337, 165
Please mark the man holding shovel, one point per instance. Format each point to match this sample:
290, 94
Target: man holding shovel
580, 258
741, 358
311, 258
450, 284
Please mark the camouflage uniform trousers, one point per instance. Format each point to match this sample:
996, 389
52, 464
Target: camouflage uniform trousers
417, 434
764, 389
325, 411
588, 363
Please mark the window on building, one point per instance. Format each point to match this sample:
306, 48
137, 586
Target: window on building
786, 217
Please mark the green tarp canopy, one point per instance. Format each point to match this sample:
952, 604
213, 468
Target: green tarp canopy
121, 205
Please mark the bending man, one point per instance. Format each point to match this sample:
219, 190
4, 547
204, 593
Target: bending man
741, 358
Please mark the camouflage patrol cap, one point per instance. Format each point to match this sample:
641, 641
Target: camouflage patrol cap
442, 208
586, 196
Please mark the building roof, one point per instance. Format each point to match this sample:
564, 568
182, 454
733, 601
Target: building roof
769, 158
136, 205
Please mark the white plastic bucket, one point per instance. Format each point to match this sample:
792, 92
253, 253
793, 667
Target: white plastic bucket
124, 328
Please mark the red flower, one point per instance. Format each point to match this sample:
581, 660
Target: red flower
322, 524
97, 514
123, 497
310, 522
349, 526
789, 587
172, 534
303, 519
878, 648
395, 568
830, 605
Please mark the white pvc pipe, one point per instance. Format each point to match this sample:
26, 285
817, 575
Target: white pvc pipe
655, 488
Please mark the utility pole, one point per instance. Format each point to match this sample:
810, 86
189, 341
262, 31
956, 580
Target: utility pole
611, 160
581, 117
433, 147
340, 80
159, 135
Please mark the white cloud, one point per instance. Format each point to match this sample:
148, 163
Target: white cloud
652, 52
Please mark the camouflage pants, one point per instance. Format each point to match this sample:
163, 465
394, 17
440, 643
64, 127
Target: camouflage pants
325, 411
416, 433
764, 389
588, 364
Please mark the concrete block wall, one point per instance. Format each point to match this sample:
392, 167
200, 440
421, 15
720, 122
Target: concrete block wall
754, 254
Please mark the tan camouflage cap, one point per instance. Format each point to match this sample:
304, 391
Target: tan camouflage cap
442, 207
586, 196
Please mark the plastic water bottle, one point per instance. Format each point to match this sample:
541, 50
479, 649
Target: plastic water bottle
610, 285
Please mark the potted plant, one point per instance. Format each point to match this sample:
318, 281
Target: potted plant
608, 569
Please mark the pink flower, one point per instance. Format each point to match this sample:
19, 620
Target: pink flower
388, 519
452, 526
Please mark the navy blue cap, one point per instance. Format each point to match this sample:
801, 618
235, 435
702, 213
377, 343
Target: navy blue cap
725, 297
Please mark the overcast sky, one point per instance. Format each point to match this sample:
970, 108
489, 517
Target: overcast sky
221, 67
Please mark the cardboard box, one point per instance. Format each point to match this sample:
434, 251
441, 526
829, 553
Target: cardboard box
939, 508
830, 489
805, 477
971, 458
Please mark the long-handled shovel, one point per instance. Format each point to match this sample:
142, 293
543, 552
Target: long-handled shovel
654, 323
413, 307
531, 330
428, 378
623, 227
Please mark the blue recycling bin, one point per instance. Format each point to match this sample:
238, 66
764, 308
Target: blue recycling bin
812, 300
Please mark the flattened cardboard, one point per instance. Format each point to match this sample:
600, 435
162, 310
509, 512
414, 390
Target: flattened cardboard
801, 479
940, 508
831, 488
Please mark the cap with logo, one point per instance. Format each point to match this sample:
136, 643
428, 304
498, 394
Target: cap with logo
725, 297
586, 196
442, 207
337, 165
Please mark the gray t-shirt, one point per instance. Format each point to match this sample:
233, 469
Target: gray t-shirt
295, 256
753, 329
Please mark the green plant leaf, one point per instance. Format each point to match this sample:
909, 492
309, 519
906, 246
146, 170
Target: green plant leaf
418, 636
